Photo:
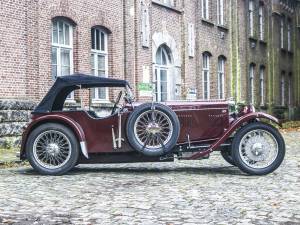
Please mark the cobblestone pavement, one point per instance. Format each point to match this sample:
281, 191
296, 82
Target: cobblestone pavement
199, 192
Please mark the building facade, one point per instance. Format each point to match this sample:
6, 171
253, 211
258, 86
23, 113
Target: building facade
247, 50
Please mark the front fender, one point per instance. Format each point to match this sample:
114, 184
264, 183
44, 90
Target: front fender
235, 124
254, 115
73, 125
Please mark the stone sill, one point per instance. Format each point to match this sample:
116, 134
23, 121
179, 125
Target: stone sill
263, 42
283, 50
167, 6
253, 39
208, 22
223, 27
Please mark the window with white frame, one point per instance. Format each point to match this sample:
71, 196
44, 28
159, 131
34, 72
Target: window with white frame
251, 83
282, 32
262, 85
261, 22
206, 76
282, 88
220, 12
221, 78
62, 48
163, 79
205, 9
251, 18
289, 35
99, 61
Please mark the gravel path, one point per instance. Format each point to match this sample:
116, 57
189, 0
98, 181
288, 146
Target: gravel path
199, 192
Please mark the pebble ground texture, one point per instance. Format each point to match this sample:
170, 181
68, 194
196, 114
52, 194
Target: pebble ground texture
199, 192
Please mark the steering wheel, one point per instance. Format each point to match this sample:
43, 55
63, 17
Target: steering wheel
117, 102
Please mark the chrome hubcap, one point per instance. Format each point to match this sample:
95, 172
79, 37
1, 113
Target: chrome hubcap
52, 149
153, 129
258, 149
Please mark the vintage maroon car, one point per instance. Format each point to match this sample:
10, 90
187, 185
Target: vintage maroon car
56, 140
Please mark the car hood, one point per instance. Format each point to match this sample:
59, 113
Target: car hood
191, 104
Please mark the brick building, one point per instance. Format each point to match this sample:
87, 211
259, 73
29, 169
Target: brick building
205, 49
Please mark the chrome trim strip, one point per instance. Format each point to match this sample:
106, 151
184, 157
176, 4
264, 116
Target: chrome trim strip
84, 149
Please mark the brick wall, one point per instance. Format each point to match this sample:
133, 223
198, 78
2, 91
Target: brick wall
25, 45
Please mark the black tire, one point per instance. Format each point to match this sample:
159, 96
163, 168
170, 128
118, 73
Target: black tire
165, 147
226, 154
237, 158
72, 156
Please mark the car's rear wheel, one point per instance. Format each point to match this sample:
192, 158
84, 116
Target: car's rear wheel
258, 148
153, 129
52, 149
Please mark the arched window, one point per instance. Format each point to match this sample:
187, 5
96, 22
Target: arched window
251, 18
205, 9
206, 75
261, 21
221, 77
289, 35
262, 85
251, 83
220, 12
164, 85
282, 32
99, 61
62, 48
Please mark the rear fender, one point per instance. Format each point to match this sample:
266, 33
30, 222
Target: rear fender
70, 123
233, 127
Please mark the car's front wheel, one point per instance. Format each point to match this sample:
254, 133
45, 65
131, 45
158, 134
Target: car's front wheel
52, 149
258, 148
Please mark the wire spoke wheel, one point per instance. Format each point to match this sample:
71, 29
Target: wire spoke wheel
258, 149
153, 129
52, 149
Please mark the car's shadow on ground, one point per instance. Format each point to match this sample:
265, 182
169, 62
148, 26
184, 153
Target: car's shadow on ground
84, 170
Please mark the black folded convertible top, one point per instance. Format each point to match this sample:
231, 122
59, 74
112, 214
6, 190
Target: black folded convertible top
64, 85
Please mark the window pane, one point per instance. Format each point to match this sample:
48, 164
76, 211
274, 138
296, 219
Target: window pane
101, 73
93, 39
54, 55
205, 76
102, 41
97, 40
158, 56
54, 33
101, 62
164, 58
102, 93
61, 34
93, 61
65, 57
93, 94
54, 71
67, 34
65, 70
164, 97
163, 75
